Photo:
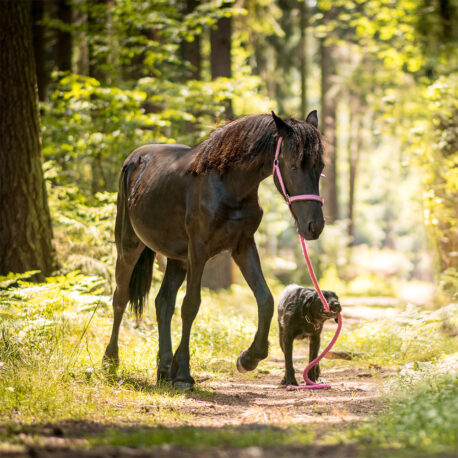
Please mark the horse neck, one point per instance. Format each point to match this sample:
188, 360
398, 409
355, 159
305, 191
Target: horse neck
245, 181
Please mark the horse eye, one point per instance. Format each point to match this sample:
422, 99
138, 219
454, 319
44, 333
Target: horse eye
293, 167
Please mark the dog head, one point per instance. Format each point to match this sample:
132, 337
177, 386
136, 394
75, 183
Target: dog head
314, 310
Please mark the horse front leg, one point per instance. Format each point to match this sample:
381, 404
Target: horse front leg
180, 370
247, 258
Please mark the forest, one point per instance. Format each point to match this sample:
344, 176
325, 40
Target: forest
84, 83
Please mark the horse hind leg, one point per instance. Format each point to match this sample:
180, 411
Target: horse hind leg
175, 273
133, 280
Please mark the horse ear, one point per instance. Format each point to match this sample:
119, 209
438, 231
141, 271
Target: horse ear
282, 128
312, 118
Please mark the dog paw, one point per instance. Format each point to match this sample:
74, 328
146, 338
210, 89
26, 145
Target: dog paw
289, 381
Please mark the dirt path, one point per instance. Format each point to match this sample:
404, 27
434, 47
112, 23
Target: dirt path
241, 400
254, 400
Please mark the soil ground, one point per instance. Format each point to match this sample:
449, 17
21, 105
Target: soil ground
254, 400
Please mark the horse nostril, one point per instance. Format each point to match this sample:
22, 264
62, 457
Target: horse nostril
311, 227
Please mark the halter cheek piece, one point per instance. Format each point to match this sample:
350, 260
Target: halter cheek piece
309, 384
276, 170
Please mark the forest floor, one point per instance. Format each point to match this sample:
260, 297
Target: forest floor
258, 405
237, 404
397, 394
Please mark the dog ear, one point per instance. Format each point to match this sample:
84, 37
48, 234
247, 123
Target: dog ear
307, 300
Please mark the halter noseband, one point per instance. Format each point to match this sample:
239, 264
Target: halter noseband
276, 170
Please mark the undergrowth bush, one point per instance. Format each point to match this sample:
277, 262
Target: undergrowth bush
421, 419
415, 335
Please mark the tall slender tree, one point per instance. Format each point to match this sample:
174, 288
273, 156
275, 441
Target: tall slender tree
218, 271
220, 54
97, 34
191, 49
38, 31
328, 127
303, 24
64, 36
25, 229
355, 140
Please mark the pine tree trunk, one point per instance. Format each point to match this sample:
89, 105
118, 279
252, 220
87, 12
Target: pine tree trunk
218, 270
97, 28
354, 151
220, 55
191, 49
64, 38
25, 229
328, 127
38, 30
303, 24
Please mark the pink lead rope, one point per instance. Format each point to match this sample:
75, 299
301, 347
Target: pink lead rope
309, 385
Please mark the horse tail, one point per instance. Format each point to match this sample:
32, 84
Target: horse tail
140, 281
142, 275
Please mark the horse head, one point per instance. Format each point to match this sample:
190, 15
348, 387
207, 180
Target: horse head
297, 171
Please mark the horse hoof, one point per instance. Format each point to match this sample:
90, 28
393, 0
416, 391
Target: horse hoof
110, 365
240, 367
163, 377
183, 386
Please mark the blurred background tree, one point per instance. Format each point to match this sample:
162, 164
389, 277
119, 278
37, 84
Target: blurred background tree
115, 74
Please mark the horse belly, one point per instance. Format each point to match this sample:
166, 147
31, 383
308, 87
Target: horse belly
160, 226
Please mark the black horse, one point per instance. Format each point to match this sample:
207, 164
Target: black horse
189, 204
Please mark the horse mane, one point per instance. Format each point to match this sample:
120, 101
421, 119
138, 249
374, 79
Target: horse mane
245, 142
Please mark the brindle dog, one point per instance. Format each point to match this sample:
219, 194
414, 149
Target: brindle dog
301, 314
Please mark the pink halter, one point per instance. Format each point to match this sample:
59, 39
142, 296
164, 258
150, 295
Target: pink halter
289, 199
309, 384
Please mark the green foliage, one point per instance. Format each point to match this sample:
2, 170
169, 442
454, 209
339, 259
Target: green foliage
83, 229
439, 162
205, 438
89, 129
412, 336
422, 422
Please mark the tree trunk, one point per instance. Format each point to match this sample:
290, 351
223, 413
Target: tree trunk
25, 230
38, 30
303, 24
220, 55
64, 38
218, 270
97, 29
191, 49
328, 127
354, 151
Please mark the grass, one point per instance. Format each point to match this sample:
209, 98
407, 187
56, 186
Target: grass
53, 335
419, 421
201, 438
415, 335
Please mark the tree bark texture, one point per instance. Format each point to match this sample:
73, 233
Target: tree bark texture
191, 49
25, 222
218, 270
220, 54
328, 128
38, 30
64, 38
354, 152
303, 24
97, 30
